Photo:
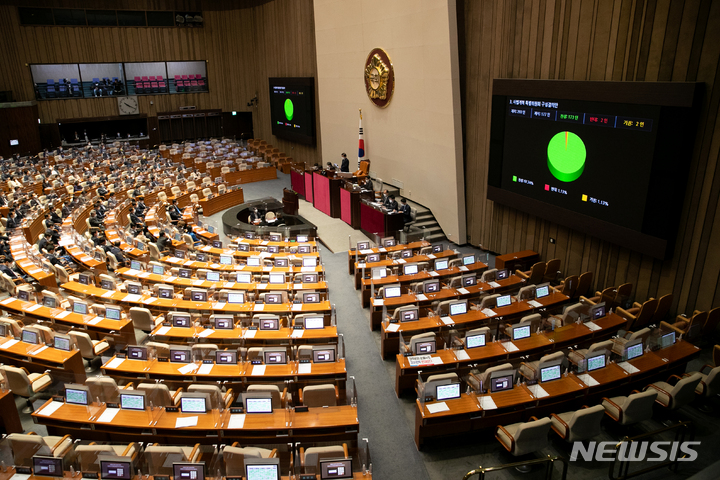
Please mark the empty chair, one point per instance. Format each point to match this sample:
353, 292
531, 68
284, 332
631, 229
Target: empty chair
160, 458
711, 323
489, 275
143, 319
620, 341
87, 455
576, 357
552, 270
535, 274
161, 349
709, 385
89, 349
104, 388
190, 186
638, 318
217, 397
202, 351
526, 293
176, 191
479, 380
635, 408
569, 286
673, 397
663, 307
222, 189
159, 394
319, 395
582, 424
530, 370
279, 398
25, 445
311, 457
523, 438
234, 457
25, 384
207, 192
488, 301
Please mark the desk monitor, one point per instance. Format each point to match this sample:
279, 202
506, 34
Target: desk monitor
426, 347
633, 349
80, 308
503, 301
388, 242
244, 277
188, 471
194, 402
311, 297
113, 313
597, 311
30, 335
301, 238
23, 295
180, 319
313, 323
262, 468
85, 279
5, 329
77, 394
309, 262
309, 278
132, 401
468, 259
226, 357
407, 253
500, 381
198, 295
47, 466
325, 354
282, 262
133, 288
363, 245
520, 331
243, 247
410, 269
212, 276
274, 249
158, 270
596, 362
276, 278
665, 341
431, 286
179, 253
469, 280
253, 261
336, 468
379, 272
373, 258
115, 468
275, 357
437, 248
410, 315
392, 291
49, 302
166, 292
550, 373
441, 264
180, 354
137, 352
249, 235
502, 274
226, 260
542, 290
275, 237
270, 323
447, 392
217, 243
99, 257
258, 402
62, 342
107, 284
474, 341
304, 249
177, 237
273, 298
458, 307
236, 297
224, 322
201, 257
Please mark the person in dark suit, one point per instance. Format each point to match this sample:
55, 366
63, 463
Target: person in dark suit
405, 210
117, 252
164, 243
135, 219
6, 267
12, 222
43, 244
255, 215
345, 164
54, 260
392, 205
368, 184
95, 222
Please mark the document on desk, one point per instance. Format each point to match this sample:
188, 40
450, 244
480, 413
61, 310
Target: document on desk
297, 333
463, 268
437, 361
392, 327
115, 363
39, 350
628, 368
437, 407
297, 286
433, 273
431, 256
304, 368
264, 254
144, 274
34, 271
205, 369
462, 355
535, 304
488, 312
463, 291
131, 297
8, 344
447, 320
510, 346
170, 279
258, 370
163, 330
188, 262
95, 321
365, 252
33, 308
214, 265
487, 403
421, 297
108, 294
361, 265
258, 307
219, 305
237, 420
197, 283
401, 261
494, 284
307, 269
131, 272
537, 391
297, 307
588, 380
420, 360
108, 415
20, 476
382, 249
262, 286
249, 333
378, 302
50, 408
8, 300
187, 368
186, 422
206, 333
267, 269
229, 284
593, 326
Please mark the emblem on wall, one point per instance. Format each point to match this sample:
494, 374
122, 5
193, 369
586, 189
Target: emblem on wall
379, 77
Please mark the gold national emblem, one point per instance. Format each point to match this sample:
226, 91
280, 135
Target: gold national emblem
379, 77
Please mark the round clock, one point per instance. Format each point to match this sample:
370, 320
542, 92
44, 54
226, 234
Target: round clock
128, 106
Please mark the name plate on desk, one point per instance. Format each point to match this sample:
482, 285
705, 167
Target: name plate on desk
535, 304
420, 360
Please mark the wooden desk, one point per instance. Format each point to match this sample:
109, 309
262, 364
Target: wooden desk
374, 221
193, 264
524, 259
297, 180
258, 242
247, 337
222, 202
251, 175
65, 366
80, 257
244, 255
350, 205
367, 267
31, 269
10, 418
326, 194
355, 256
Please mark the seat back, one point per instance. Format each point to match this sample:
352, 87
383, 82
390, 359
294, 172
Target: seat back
17, 380
552, 270
684, 391
585, 423
645, 315
484, 376
234, 458
526, 293
160, 458
638, 407
537, 272
87, 456
623, 295
531, 436
489, 275
662, 309
313, 455
274, 390
142, 318
161, 349
596, 347
213, 392
695, 326
204, 350
104, 388
489, 301
570, 286
711, 323
157, 393
24, 446
319, 396
84, 344
421, 337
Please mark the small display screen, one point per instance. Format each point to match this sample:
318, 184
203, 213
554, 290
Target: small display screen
244, 277
262, 472
258, 405
49, 302
303, 238
227, 260
406, 253
447, 392
324, 355
243, 247
309, 262
181, 320
28, 336
361, 245
269, 324
441, 264
24, 295
379, 272
409, 315
468, 259
503, 301
314, 323
388, 242
542, 291
167, 293
593, 363
236, 297
224, 323
135, 265
502, 274
201, 257
212, 276
275, 237
437, 248
281, 262
84, 279
373, 258
48, 467
310, 278
158, 270
597, 311
274, 298
107, 285
62, 343
474, 341
276, 278
667, 340
273, 248
550, 373
458, 308
185, 273
469, 280
521, 332
198, 296
391, 292
112, 313
188, 471
216, 243
304, 249
253, 261
192, 405
80, 308
225, 357
340, 468
132, 402
180, 356
498, 384
136, 352
431, 286
76, 396
134, 288
634, 351
275, 358
115, 470
410, 269
179, 253
425, 347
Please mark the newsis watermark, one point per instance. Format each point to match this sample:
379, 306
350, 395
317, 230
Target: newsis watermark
635, 451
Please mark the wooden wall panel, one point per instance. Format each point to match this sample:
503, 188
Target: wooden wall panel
622, 40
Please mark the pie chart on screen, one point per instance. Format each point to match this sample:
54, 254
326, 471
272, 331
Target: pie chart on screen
566, 156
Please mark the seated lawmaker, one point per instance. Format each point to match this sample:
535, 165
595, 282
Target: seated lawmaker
405, 210
367, 184
164, 243
391, 205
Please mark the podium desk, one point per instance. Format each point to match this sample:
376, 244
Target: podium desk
350, 204
297, 180
65, 366
326, 194
524, 259
376, 221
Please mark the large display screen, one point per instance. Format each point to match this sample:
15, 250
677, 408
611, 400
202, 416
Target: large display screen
601, 157
292, 109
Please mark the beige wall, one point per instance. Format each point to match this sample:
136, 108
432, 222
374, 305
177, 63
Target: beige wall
417, 139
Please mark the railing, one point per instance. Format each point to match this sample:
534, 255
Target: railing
682, 430
548, 462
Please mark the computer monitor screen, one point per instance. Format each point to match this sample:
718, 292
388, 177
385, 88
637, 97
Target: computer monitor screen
304, 249
310, 278
236, 297
242, 247
137, 352
542, 291
4, 329
373, 258
198, 295
269, 324
158, 270
409, 315
410, 269
226, 260
425, 348
474, 341
166, 292
107, 284
177, 237
132, 401
634, 350
363, 245
469, 280
468, 259
275, 357
503, 301
133, 288
447, 392
112, 313
180, 355
212, 276
275, 237
598, 311
273, 298
49, 302
185, 273
281, 262
273, 249
379, 272
77, 394
84, 278
23, 295
244, 277
392, 291
338, 468
550, 373
99, 257
596, 362
62, 342
437, 248
667, 339
309, 262
276, 278
388, 242
47, 466
188, 471
323, 355
217, 243
313, 323
253, 261
498, 384
180, 320
261, 471
258, 405
201, 257
521, 332
224, 322
301, 238
225, 357
193, 404
80, 308
502, 274
29, 336
116, 469
431, 286
249, 235
408, 253
441, 264
458, 308
179, 253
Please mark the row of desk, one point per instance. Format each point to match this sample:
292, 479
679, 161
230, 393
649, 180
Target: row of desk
67, 366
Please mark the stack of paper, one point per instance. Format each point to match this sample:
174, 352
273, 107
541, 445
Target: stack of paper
494, 284
462, 355
392, 327
447, 320
535, 304
305, 368
131, 297
437, 407
33, 308
487, 403
186, 422
8, 344
297, 333
249, 333
463, 291
236, 420
593, 326
628, 368
115, 363
206, 333
258, 370
421, 297
163, 330
537, 391
510, 346
205, 369
50, 408
185, 369
588, 380
488, 312
108, 415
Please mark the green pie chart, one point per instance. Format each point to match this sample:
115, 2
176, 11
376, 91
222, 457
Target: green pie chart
566, 156
289, 109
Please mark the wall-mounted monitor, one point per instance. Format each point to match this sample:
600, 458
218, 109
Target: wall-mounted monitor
292, 108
